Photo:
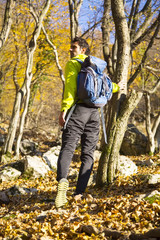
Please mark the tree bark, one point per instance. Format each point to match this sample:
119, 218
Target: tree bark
25, 90
17, 105
106, 36
151, 143
7, 22
13, 123
121, 107
74, 8
109, 158
151, 129
123, 42
28, 77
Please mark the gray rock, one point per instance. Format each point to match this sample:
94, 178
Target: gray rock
51, 157
153, 233
14, 191
126, 167
21, 190
19, 165
154, 179
35, 167
113, 233
89, 229
155, 192
134, 142
9, 173
149, 163
27, 147
4, 198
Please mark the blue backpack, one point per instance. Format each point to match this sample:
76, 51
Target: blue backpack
93, 86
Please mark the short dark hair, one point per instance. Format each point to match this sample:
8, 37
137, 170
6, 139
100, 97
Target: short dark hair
82, 43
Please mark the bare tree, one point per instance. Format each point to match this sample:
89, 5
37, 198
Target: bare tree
25, 89
51, 45
151, 129
128, 36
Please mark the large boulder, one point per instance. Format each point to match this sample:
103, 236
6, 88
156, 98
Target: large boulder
126, 166
51, 157
154, 179
9, 173
134, 142
35, 167
7, 194
27, 147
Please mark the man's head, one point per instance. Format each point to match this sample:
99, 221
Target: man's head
79, 46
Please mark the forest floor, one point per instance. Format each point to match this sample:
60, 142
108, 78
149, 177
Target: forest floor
118, 207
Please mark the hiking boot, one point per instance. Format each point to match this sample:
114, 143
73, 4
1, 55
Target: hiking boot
61, 198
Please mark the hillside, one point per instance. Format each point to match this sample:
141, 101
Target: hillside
121, 210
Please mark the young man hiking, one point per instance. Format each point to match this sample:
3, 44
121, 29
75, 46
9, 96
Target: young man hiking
82, 125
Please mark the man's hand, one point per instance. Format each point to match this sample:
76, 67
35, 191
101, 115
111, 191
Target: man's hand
62, 119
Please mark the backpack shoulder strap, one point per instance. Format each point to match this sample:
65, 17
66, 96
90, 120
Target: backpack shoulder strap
103, 125
69, 115
78, 60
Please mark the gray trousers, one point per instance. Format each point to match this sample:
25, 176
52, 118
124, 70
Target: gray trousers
83, 124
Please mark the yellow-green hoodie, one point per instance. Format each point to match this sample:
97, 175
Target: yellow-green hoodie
70, 91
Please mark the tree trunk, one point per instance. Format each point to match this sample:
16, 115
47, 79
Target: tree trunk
28, 77
109, 158
24, 90
22, 120
120, 128
13, 123
74, 8
106, 36
151, 131
7, 22
123, 42
17, 106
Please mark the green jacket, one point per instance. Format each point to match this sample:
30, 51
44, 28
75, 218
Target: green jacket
70, 91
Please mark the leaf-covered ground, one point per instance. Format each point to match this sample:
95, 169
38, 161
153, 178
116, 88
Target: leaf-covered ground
117, 207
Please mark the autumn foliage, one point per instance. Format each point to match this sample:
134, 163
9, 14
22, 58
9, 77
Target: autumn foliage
121, 207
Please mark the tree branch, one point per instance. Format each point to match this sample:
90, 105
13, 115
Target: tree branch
144, 30
154, 88
90, 28
145, 54
106, 36
51, 44
131, 14
134, 18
